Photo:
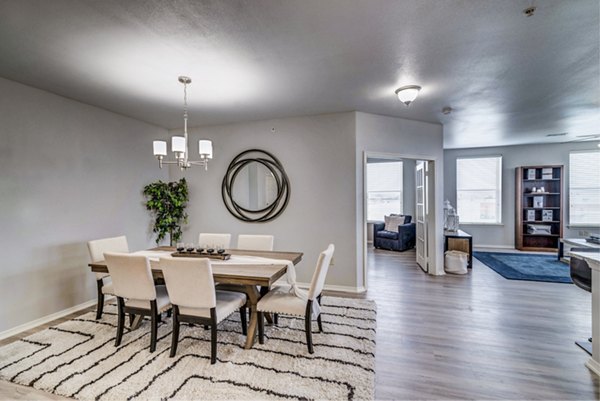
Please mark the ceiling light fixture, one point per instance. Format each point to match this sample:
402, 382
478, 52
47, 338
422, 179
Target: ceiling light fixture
407, 94
179, 144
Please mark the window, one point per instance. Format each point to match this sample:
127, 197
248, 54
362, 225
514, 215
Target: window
479, 190
584, 188
384, 188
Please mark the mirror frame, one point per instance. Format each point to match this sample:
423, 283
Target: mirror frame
269, 212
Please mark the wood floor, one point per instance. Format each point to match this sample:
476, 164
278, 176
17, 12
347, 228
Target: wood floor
478, 336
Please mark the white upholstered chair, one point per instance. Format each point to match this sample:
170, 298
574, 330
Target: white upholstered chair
192, 291
210, 239
96, 249
283, 301
135, 291
255, 242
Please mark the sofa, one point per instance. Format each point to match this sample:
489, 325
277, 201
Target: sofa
402, 240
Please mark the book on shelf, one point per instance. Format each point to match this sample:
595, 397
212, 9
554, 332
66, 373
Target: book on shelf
538, 201
547, 173
547, 215
531, 174
531, 215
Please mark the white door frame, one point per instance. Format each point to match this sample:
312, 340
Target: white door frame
433, 242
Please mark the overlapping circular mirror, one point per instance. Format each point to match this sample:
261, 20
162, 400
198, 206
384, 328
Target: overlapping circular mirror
255, 188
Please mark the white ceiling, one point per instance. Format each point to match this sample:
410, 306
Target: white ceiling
510, 79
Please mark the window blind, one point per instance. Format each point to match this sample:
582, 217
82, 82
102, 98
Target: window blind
584, 188
479, 189
384, 189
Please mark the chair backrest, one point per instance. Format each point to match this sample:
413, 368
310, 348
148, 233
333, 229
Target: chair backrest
131, 276
189, 282
318, 279
99, 246
581, 273
210, 239
255, 242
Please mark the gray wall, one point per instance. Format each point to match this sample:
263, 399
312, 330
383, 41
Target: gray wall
318, 155
70, 173
512, 156
413, 139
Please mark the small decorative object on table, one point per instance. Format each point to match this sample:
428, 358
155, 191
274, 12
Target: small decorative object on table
450, 217
194, 254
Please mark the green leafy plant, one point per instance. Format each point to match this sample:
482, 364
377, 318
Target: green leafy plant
167, 202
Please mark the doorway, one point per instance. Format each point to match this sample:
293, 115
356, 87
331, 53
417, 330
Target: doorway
400, 184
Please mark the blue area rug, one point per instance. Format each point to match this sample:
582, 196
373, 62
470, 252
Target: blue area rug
524, 266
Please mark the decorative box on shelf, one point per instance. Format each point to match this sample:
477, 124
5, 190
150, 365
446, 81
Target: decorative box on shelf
538, 201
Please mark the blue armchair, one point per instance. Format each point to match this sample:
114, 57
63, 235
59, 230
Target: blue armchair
402, 240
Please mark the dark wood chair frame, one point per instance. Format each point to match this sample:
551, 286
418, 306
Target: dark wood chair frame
100, 307
212, 322
152, 312
307, 324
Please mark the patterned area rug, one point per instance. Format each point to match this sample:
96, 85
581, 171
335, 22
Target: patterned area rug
78, 359
525, 266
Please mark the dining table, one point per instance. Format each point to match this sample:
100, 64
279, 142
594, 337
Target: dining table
259, 269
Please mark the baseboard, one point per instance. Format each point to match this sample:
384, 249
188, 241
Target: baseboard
339, 288
493, 247
48, 318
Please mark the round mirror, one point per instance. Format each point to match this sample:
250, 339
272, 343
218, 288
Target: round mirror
255, 187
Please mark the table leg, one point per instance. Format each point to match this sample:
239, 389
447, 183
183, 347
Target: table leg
470, 252
561, 250
253, 297
594, 362
137, 321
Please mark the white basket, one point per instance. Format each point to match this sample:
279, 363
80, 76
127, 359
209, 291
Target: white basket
456, 262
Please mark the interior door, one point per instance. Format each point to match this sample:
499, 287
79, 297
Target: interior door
421, 213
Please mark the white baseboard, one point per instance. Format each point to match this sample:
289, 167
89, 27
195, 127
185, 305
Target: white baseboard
340, 288
493, 247
46, 319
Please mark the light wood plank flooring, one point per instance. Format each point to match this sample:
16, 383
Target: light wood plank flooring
478, 336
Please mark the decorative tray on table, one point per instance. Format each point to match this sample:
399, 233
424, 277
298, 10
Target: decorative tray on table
195, 254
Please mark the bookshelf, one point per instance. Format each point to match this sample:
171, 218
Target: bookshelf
539, 215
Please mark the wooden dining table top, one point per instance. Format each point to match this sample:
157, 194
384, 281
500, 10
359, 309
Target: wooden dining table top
231, 273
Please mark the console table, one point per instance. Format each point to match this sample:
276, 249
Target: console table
575, 243
593, 260
459, 241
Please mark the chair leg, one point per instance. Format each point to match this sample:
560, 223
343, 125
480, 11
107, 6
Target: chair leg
131, 318
120, 320
261, 327
170, 312
243, 320
154, 325
213, 336
307, 327
175, 338
275, 319
100, 307
319, 322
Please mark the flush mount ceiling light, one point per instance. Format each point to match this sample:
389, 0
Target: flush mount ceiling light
407, 94
179, 144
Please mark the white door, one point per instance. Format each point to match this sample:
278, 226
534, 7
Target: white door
421, 213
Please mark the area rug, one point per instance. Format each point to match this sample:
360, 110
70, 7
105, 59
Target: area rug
525, 266
78, 359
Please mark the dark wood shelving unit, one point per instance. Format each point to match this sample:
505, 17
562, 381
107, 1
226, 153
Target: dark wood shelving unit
552, 202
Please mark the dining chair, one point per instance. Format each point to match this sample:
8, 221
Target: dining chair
96, 249
255, 242
192, 291
215, 239
135, 291
284, 301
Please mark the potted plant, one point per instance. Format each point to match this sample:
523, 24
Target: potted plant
167, 202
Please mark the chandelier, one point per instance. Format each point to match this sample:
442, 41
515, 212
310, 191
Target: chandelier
179, 144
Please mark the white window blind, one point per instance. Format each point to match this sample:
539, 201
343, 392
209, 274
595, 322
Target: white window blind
479, 190
384, 189
584, 188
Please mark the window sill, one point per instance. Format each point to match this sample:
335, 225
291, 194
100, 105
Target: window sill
583, 226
